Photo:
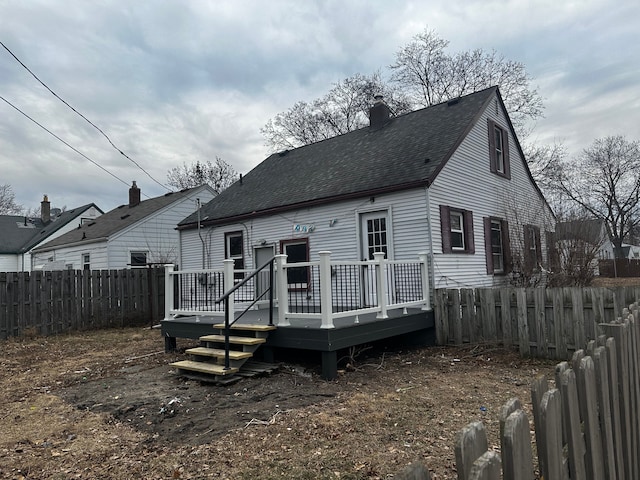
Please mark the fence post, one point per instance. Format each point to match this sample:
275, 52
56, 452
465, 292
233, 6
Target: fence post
282, 291
517, 459
381, 283
426, 287
168, 291
549, 444
228, 274
471, 443
326, 302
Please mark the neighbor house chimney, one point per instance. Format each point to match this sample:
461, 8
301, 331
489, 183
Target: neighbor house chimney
134, 195
45, 210
379, 113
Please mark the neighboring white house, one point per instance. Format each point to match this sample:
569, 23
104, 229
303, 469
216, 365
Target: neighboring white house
449, 180
131, 235
632, 252
20, 235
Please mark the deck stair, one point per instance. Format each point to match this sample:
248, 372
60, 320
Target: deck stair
207, 360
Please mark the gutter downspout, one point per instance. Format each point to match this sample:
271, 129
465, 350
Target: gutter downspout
200, 233
433, 263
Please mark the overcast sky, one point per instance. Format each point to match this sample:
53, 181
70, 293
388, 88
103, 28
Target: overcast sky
172, 82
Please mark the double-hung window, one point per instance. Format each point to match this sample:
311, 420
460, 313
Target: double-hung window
296, 251
456, 226
86, 261
497, 246
499, 150
532, 247
234, 250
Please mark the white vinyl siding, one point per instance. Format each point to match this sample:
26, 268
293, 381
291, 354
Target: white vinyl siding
335, 228
466, 182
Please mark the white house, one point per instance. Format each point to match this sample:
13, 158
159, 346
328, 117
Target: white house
131, 235
450, 180
20, 235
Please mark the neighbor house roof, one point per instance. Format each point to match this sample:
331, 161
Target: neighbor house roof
590, 231
407, 151
19, 233
116, 220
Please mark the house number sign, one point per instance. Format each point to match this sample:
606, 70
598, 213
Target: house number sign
300, 228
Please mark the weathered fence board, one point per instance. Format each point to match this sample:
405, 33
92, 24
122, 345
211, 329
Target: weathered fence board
546, 322
53, 302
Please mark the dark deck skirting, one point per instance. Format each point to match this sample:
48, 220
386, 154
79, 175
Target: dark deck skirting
307, 334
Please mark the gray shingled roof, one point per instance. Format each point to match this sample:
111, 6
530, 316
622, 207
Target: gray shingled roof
589, 231
19, 235
408, 151
117, 220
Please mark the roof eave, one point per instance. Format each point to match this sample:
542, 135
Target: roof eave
309, 203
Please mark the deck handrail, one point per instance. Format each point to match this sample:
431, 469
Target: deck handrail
333, 289
228, 294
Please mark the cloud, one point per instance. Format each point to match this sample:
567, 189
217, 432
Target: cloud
173, 82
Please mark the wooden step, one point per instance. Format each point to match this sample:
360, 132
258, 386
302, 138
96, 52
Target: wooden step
218, 353
202, 367
233, 340
255, 327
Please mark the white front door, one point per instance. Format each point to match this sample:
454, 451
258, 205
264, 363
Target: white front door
374, 237
262, 255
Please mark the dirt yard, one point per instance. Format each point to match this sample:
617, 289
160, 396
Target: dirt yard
106, 405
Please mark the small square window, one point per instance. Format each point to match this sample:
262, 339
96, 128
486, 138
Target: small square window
138, 259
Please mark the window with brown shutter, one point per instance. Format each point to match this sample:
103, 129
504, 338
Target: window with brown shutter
499, 150
457, 230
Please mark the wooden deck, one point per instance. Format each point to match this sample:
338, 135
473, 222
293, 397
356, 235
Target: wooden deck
417, 325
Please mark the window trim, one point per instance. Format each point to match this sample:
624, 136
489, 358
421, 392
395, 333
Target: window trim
139, 252
532, 252
303, 286
493, 127
467, 226
506, 246
86, 265
227, 254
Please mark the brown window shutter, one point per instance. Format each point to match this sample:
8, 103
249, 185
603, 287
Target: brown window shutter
445, 228
505, 153
528, 261
506, 247
492, 146
487, 244
468, 232
538, 247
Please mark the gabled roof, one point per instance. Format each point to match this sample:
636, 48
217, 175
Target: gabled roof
590, 231
118, 219
408, 151
19, 234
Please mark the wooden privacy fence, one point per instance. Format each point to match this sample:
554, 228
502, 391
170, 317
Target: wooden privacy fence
586, 425
47, 303
546, 322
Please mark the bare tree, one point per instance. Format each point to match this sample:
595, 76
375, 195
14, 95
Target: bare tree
218, 175
343, 109
575, 252
605, 181
429, 75
8, 205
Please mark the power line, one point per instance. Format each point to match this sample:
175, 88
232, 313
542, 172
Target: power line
67, 144
83, 117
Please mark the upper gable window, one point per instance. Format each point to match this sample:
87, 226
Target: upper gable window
499, 150
457, 230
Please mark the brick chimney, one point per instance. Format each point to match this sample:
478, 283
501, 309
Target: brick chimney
379, 113
134, 195
45, 210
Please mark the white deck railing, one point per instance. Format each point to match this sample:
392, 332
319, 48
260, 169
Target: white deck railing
324, 290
